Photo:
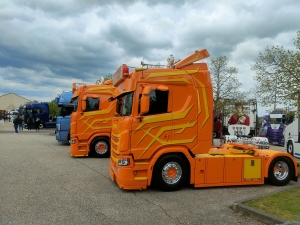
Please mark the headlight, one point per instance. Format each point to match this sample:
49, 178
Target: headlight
123, 162
73, 141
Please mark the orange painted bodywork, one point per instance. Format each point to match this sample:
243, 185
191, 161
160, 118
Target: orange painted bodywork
86, 126
186, 129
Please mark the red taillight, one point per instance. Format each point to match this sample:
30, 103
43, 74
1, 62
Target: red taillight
125, 71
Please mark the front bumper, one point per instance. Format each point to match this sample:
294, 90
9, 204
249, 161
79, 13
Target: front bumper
128, 177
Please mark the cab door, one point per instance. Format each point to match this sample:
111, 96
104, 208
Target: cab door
87, 122
152, 130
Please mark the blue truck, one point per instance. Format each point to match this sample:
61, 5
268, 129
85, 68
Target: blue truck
38, 110
65, 109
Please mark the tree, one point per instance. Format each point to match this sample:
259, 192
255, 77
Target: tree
107, 77
225, 84
53, 107
278, 76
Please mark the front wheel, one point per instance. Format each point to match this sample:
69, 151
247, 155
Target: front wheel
280, 171
100, 148
41, 126
290, 148
170, 173
68, 139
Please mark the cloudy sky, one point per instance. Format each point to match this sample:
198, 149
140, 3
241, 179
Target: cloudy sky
45, 46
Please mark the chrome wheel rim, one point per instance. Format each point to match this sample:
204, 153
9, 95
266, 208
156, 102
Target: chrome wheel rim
281, 170
171, 172
101, 147
290, 149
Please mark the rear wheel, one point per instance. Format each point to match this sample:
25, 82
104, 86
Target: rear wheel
290, 148
100, 148
170, 173
280, 171
41, 126
215, 134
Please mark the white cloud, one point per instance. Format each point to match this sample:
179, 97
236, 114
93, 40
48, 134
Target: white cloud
50, 44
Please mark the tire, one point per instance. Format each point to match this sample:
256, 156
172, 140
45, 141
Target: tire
68, 139
170, 173
290, 148
215, 134
41, 126
281, 171
100, 148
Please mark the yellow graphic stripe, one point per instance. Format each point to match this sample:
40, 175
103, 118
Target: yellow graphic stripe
181, 128
114, 150
140, 178
113, 158
118, 135
175, 80
161, 118
192, 71
148, 131
171, 73
96, 112
114, 142
205, 101
102, 89
141, 163
91, 125
198, 100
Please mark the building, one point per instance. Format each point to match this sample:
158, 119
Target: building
11, 101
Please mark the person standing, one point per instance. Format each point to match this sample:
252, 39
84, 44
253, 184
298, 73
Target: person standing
37, 124
20, 121
16, 124
29, 122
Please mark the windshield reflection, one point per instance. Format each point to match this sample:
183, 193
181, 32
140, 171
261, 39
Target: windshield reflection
75, 102
124, 104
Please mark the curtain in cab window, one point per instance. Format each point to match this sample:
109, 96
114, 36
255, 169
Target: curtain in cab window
92, 104
158, 102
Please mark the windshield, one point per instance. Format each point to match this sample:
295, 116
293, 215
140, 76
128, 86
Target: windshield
75, 102
124, 104
65, 110
275, 120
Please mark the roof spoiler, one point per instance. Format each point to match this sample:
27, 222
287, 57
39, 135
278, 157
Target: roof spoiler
198, 55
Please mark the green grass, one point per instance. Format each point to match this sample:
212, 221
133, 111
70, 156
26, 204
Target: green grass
285, 205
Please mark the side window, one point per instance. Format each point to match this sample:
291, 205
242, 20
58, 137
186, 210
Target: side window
158, 102
40, 110
92, 104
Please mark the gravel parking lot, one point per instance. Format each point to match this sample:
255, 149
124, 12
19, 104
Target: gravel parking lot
42, 184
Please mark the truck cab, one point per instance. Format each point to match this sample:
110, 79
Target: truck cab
91, 120
275, 128
162, 134
292, 138
39, 110
65, 108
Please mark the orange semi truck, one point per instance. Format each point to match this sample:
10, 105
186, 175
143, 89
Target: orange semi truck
162, 134
91, 120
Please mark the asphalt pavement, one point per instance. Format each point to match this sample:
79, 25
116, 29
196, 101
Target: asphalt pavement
42, 184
